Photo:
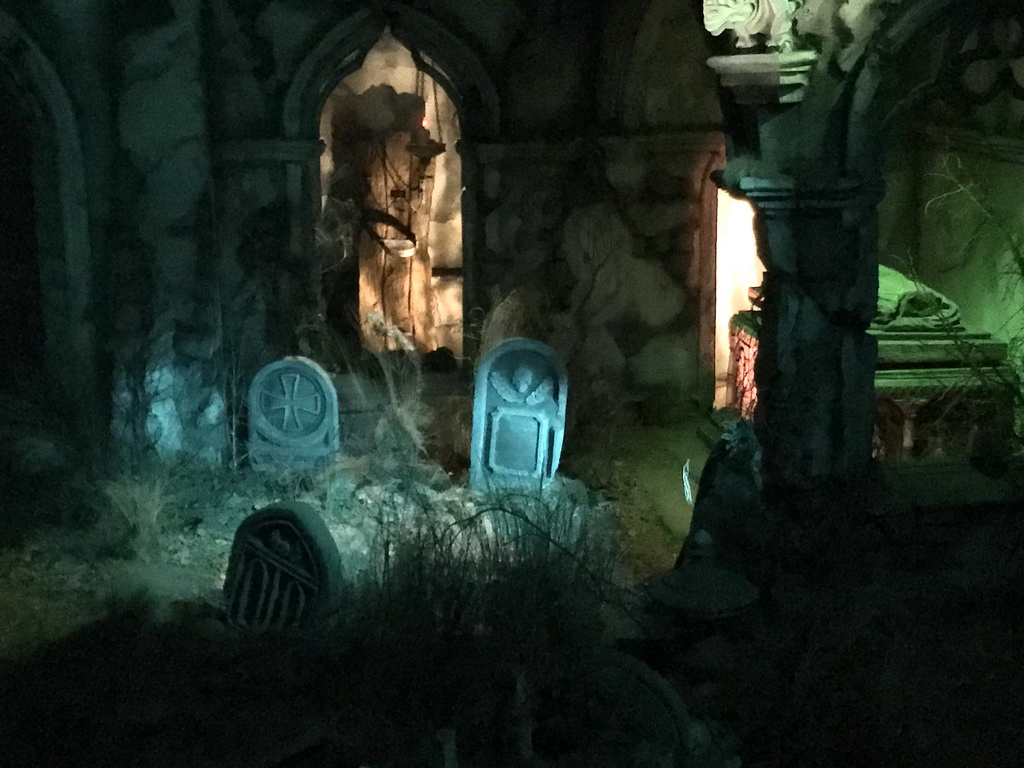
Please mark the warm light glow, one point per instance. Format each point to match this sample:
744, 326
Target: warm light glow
738, 269
448, 313
412, 175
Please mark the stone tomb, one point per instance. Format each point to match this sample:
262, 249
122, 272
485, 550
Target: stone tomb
284, 568
518, 415
293, 416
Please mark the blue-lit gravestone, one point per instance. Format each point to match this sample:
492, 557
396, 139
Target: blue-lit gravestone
293, 416
284, 569
518, 415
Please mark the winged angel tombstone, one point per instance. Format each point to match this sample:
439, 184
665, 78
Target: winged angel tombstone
518, 415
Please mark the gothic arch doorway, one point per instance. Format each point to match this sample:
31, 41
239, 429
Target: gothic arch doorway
22, 333
51, 255
389, 232
938, 114
440, 59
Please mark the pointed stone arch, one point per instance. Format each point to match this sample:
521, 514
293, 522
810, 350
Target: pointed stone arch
62, 223
922, 154
436, 51
870, 99
655, 75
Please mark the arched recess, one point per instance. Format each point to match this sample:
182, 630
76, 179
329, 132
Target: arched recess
920, 119
62, 226
875, 93
390, 161
438, 53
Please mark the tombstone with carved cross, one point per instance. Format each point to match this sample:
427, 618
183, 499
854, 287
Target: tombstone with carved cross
518, 415
293, 416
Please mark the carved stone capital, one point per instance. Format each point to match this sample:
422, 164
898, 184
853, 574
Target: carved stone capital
783, 194
766, 78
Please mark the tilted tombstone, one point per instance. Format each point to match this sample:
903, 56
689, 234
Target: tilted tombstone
518, 415
293, 416
284, 568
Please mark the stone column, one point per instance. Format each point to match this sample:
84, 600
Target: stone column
816, 362
817, 237
268, 277
166, 389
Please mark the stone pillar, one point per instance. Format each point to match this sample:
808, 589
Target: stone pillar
268, 278
816, 362
166, 384
817, 237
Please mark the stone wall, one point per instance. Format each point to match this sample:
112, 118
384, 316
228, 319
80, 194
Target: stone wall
198, 196
654, 72
951, 216
167, 385
611, 238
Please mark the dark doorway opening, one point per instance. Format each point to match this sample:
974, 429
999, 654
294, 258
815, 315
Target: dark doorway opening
22, 332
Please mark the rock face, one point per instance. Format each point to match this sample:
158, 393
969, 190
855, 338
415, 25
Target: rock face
166, 392
197, 127
202, 147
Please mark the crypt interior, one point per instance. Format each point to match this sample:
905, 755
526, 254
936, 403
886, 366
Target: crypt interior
665, 358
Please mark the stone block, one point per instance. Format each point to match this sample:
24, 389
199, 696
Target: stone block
492, 183
361, 405
654, 298
147, 140
175, 188
284, 569
626, 170
667, 360
519, 407
651, 219
492, 231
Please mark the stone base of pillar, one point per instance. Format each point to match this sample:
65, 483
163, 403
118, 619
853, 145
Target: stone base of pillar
816, 399
816, 362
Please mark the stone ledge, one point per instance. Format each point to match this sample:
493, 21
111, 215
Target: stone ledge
703, 140
766, 78
266, 151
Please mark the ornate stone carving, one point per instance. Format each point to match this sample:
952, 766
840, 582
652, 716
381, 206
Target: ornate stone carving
293, 416
747, 18
284, 568
518, 415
